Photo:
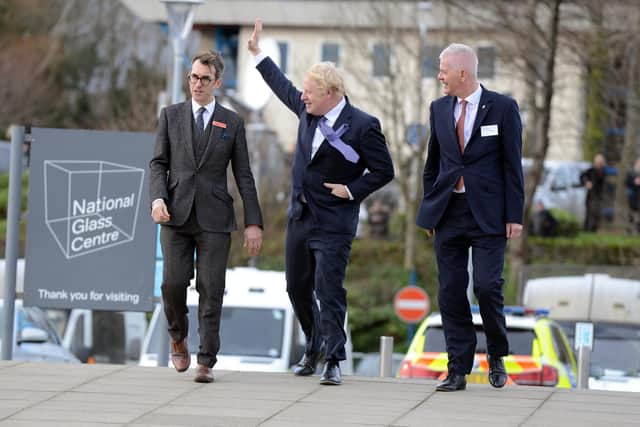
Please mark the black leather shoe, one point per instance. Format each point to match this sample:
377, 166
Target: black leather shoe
497, 372
307, 365
453, 382
331, 373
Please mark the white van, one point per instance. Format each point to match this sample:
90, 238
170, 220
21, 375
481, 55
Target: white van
258, 331
613, 306
91, 335
97, 336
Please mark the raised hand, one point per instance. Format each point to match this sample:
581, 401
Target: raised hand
254, 40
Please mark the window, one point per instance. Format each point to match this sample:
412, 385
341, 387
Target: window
226, 42
240, 336
486, 62
561, 181
283, 47
430, 60
331, 52
77, 340
560, 345
381, 60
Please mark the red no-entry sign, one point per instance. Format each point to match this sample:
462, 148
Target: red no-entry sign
411, 304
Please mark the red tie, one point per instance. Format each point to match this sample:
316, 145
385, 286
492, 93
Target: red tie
460, 132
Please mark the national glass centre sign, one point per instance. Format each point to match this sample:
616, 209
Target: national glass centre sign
101, 207
90, 238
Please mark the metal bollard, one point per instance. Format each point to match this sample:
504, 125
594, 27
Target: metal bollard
386, 351
584, 361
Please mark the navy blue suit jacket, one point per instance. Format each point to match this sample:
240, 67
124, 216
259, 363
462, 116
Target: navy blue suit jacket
331, 213
491, 164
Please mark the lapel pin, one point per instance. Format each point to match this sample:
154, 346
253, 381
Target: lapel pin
484, 105
219, 124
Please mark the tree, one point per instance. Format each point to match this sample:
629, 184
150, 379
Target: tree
529, 41
390, 66
608, 51
86, 64
632, 123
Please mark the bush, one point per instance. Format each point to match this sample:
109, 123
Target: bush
568, 225
585, 248
4, 193
4, 202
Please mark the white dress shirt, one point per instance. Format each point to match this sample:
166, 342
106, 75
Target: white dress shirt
331, 115
473, 101
207, 114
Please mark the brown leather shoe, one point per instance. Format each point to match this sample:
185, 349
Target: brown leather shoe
180, 355
203, 374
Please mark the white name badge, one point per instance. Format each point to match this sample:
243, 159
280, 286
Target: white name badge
489, 130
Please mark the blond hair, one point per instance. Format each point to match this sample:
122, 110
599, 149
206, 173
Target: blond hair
327, 76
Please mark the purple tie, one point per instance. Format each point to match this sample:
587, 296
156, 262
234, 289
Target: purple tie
334, 139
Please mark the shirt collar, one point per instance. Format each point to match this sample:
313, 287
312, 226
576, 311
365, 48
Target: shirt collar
474, 98
332, 115
210, 106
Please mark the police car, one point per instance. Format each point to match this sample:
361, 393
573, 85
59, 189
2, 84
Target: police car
540, 353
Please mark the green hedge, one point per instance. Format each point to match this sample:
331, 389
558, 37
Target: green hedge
4, 193
587, 249
568, 225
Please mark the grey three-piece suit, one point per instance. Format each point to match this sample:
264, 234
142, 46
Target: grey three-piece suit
189, 172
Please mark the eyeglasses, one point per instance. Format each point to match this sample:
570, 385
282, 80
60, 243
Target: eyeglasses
205, 80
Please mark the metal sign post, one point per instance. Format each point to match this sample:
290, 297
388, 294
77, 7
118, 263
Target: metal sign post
12, 239
584, 345
386, 356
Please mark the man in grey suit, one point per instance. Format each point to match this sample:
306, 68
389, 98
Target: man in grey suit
196, 141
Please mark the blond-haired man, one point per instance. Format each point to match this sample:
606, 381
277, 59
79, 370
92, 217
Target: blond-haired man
336, 143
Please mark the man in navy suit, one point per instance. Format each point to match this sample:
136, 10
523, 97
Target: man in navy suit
336, 144
473, 198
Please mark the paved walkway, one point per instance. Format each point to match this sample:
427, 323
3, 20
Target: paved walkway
47, 395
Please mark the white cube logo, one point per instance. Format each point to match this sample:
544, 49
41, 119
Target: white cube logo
99, 207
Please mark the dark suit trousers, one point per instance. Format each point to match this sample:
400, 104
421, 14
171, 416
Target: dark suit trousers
455, 234
212, 249
316, 262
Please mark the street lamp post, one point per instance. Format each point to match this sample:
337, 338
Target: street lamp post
423, 8
180, 15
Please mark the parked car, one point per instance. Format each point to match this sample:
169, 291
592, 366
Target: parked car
35, 339
258, 329
560, 186
368, 364
540, 353
613, 306
93, 336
